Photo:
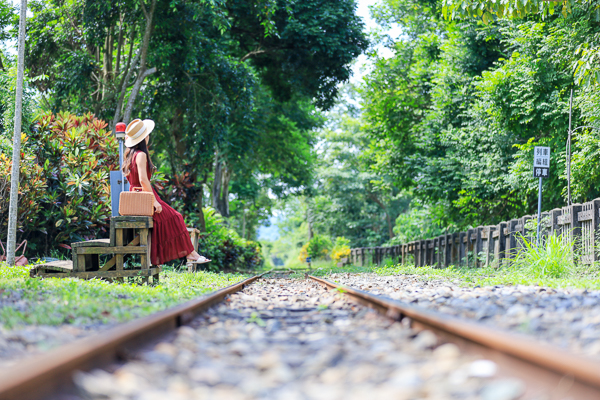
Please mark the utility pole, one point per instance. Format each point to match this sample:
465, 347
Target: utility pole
16, 158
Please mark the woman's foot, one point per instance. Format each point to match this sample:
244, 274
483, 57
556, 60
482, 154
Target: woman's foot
196, 258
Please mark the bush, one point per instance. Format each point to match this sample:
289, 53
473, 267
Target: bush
77, 154
341, 249
65, 187
225, 247
318, 247
31, 188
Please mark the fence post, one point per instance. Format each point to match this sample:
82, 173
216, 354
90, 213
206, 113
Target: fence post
499, 244
554, 225
545, 225
577, 238
416, 250
469, 247
462, 248
570, 226
478, 247
588, 219
528, 233
511, 245
454, 246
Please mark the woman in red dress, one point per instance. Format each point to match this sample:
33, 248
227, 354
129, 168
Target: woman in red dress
170, 238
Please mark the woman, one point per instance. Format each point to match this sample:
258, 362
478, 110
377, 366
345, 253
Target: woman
170, 238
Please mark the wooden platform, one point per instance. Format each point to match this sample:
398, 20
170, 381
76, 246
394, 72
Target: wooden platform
64, 269
52, 268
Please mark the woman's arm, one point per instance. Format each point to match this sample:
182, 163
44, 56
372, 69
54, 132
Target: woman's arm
141, 161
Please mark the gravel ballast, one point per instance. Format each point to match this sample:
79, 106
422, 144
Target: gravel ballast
293, 339
567, 318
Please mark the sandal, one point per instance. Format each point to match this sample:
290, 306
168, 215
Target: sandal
199, 260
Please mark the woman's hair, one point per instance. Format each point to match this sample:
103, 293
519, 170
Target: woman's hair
130, 153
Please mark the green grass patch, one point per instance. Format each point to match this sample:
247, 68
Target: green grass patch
55, 301
555, 263
581, 277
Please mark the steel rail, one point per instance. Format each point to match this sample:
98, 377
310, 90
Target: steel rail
548, 366
37, 377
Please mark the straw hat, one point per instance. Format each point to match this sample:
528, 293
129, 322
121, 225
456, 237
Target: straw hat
137, 130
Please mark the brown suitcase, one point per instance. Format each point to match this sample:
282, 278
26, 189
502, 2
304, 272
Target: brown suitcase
137, 203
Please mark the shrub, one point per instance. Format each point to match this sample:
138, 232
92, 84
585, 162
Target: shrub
318, 247
341, 249
32, 186
65, 187
77, 155
225, 247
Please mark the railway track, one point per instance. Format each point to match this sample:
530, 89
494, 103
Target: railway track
293, 339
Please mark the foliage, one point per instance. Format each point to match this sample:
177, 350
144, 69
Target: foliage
348, 198
487, 9
65, 192
319, 247
32, 186
55, 301
225, 247
416, 224
454, 115
340, 249
77, 154
235, 87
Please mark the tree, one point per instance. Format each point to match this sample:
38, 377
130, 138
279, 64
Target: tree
212, 75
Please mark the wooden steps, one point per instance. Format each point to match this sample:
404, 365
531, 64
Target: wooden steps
129, 237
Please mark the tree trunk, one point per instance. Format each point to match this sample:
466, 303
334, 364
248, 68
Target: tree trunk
178, 139
390, 225
119, 46
199, 201
16, 156
309, 221
143, 72
217, 182
388, 217
244, 223
220, 187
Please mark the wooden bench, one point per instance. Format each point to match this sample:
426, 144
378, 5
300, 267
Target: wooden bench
129, 236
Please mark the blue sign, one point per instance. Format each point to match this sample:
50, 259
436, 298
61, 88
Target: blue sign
117, 184
307, 259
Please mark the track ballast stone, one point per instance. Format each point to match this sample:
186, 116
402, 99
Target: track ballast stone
293, 339
566, 318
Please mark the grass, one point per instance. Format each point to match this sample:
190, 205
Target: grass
581, 277
55, 301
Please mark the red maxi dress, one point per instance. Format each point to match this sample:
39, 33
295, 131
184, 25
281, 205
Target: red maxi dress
170, 238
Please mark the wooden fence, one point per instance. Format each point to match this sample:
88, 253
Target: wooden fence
492, 245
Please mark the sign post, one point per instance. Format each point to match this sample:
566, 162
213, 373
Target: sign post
541, 169
117, 180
